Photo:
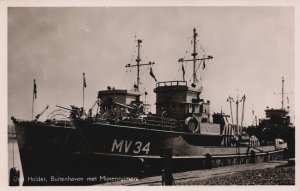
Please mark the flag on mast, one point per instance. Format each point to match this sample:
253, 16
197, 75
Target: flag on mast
152, 75
183, 72
84, 82
34, 89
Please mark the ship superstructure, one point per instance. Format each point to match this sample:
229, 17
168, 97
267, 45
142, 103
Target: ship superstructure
182, 123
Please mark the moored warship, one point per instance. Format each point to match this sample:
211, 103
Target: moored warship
123, 139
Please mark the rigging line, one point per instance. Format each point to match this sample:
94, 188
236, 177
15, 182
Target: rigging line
144, 76
203, 75
178, 71
133, 52
191, 78
190, 46
186, 52
143, 79
148, 74
198, 66
196, 72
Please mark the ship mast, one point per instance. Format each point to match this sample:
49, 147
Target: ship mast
282, 93
243, 111
239, 128
138, 64
194, 54
237, 116
138, 59
230, 99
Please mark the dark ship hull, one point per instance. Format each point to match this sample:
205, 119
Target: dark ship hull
46, 150
144, 148
60, 155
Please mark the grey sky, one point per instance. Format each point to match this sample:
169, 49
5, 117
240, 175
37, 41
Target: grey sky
253, 47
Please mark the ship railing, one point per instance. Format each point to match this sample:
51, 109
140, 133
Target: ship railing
156, 118
171, 83
153, 123
164, 123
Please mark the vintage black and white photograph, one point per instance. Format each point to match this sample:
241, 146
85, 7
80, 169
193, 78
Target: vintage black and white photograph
151, 95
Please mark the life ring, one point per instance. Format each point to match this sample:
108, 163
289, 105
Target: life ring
191, 125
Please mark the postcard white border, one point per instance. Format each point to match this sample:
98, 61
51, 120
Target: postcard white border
4, 4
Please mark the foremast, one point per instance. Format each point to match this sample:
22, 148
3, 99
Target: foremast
116, 103
138, 64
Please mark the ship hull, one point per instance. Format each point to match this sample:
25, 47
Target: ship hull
139, 141
146, 148
45, 149
85, 155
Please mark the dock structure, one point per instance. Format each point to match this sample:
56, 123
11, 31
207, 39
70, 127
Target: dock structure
198, 175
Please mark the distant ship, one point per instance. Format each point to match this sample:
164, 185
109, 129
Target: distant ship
124, 139
276, 124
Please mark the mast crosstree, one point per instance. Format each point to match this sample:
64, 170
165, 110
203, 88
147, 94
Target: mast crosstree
194, 54
138, 64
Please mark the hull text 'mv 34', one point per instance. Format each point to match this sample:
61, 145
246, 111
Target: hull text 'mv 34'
122, 135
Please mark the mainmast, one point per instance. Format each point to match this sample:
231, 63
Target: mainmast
194, 54
237, 116
138, 59
138, 65
282, 93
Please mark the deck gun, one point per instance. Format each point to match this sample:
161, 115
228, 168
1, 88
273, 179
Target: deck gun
39, 115
61, 107
75, 112
125, 106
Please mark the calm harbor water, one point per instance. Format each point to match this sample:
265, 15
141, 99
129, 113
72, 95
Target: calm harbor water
14, 157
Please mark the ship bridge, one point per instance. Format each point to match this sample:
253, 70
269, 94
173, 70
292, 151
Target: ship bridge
177, 100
